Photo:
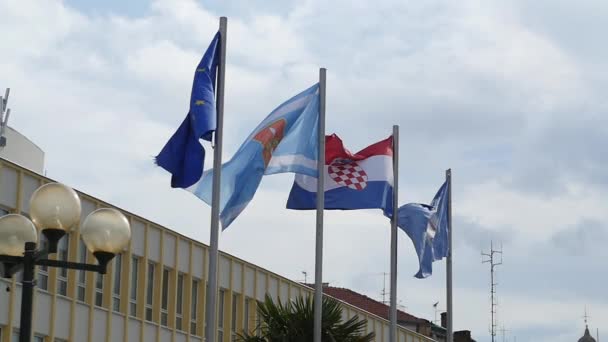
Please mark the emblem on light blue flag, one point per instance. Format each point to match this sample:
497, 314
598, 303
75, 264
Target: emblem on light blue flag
285, 141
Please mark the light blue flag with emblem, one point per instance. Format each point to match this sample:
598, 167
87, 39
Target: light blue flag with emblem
285, 141
427, 226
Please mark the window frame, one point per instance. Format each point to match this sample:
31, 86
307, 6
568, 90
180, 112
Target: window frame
164, 302
42, 276
98, 298
220, 315
62, 273
116, 282
149, 307
179, 304
246, 315
134, 283
234, 316
194, 306
81, 278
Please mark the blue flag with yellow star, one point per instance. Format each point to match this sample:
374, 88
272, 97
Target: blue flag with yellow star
183, 155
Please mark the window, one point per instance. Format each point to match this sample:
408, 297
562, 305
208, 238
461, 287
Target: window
235, 299
258, 324
133, 294
179, 306
81, 280
149, 291
43, 271
220, 317
37, 338
116, 285
164, 308
194, 306
99, 290
62, 273
246, 317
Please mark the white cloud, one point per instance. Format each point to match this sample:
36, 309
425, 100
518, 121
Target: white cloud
535, 217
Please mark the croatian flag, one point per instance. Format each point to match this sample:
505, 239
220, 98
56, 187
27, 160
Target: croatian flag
362, 180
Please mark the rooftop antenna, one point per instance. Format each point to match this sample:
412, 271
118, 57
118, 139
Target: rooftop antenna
491, 259
384, 293
503, 332
4, 115
435, 308
305, 277
586, 317
400, 305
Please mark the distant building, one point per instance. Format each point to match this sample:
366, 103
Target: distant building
587, 336
404, 319
20, 150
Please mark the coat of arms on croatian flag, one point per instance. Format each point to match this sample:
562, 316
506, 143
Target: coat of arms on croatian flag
362, 180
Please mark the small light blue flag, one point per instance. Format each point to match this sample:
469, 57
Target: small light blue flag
427, 226
285, 141
183, 155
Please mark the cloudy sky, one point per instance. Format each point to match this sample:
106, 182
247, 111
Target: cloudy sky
507, 94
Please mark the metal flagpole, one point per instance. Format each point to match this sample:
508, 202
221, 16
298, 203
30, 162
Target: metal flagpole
393, 309
210, 307
320, 207
450, 310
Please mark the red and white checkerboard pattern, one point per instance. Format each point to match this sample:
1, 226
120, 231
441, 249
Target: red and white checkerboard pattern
348, 174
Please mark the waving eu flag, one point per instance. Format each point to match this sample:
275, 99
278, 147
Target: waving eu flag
183, 155
285, 141
427, 226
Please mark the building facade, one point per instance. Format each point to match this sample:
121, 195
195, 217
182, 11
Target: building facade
154, 291
20, 150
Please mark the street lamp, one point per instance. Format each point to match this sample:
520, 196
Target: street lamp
55, 210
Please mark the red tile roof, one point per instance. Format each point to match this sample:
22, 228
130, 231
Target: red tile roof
370, 305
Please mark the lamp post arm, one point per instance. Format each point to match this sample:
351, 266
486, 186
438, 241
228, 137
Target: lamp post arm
14, 264
71, 265
11, 259
10, 265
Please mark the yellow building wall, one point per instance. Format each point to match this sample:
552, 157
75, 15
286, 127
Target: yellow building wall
66, 318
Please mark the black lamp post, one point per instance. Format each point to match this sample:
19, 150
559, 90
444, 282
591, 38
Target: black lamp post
55, 209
